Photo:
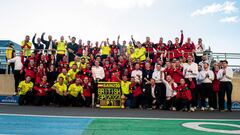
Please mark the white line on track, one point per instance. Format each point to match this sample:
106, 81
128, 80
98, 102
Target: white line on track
133, 118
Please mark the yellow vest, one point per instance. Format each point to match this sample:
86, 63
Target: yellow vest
75, 90
105, 50
26, 50
128, 49
25, 87
140, 53
9, 52
61, 48
125, 87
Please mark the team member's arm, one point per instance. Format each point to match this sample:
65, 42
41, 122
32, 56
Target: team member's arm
229, 73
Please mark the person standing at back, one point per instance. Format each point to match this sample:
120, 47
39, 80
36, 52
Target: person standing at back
225, 76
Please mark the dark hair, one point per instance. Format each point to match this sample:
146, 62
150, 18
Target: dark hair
225, 61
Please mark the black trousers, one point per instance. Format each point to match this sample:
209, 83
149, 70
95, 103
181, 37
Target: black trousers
225, 87
162, 94
75, 101
11, 67
61, 100
26, 99
206, 92
60, 57
170, 103
147, 102
87, 102
194, 92
41, 100
182, 103
17, 78
137, 100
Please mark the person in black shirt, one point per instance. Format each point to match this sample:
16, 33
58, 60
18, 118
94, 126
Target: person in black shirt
72, 48
38, 46
146, 77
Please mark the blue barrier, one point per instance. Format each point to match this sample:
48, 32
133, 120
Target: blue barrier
9, 99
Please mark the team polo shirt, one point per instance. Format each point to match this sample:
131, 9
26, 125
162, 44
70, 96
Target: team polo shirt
73, 62
61, 47
25, 87
140, 53
72, 74
125, 87
129, 48
61, 88
26, 48
74, 90
105, 50
65, 81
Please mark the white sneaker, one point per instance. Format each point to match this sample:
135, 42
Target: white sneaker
211, 109
195, 108
192, 109
174, 109
202, 108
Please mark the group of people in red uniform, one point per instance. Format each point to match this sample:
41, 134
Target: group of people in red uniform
172, 76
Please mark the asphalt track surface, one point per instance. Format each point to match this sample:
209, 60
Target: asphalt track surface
126, 113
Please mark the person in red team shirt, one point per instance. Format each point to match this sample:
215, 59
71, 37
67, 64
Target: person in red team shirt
188, 48
149, 48
30, 70
177, 71
183, 97
160, 48
87, 92
168, 70
216, 84
41, 71
136, 90
41, 92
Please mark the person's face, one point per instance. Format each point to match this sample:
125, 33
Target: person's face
205, 66
78, 81
50, 38
27, 38
96, 63
28, 79
177, 40
148, 39
80, 41
51, 67
168, 64
130, 43
60, 80
199, 68
161, 40
168, 78
74, 67
190, 59
216, 67
62, 38
189, 40
73, 40
199, 41
31, 62
147, 65
152, 82
85, 80
124, 78
158, 67
96, 44
88, 42
124, 42
137, 66
83, 61
174, 65
132, 80
38, 40
44, 78
64, 71
224, 64
41, 66
182, 81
